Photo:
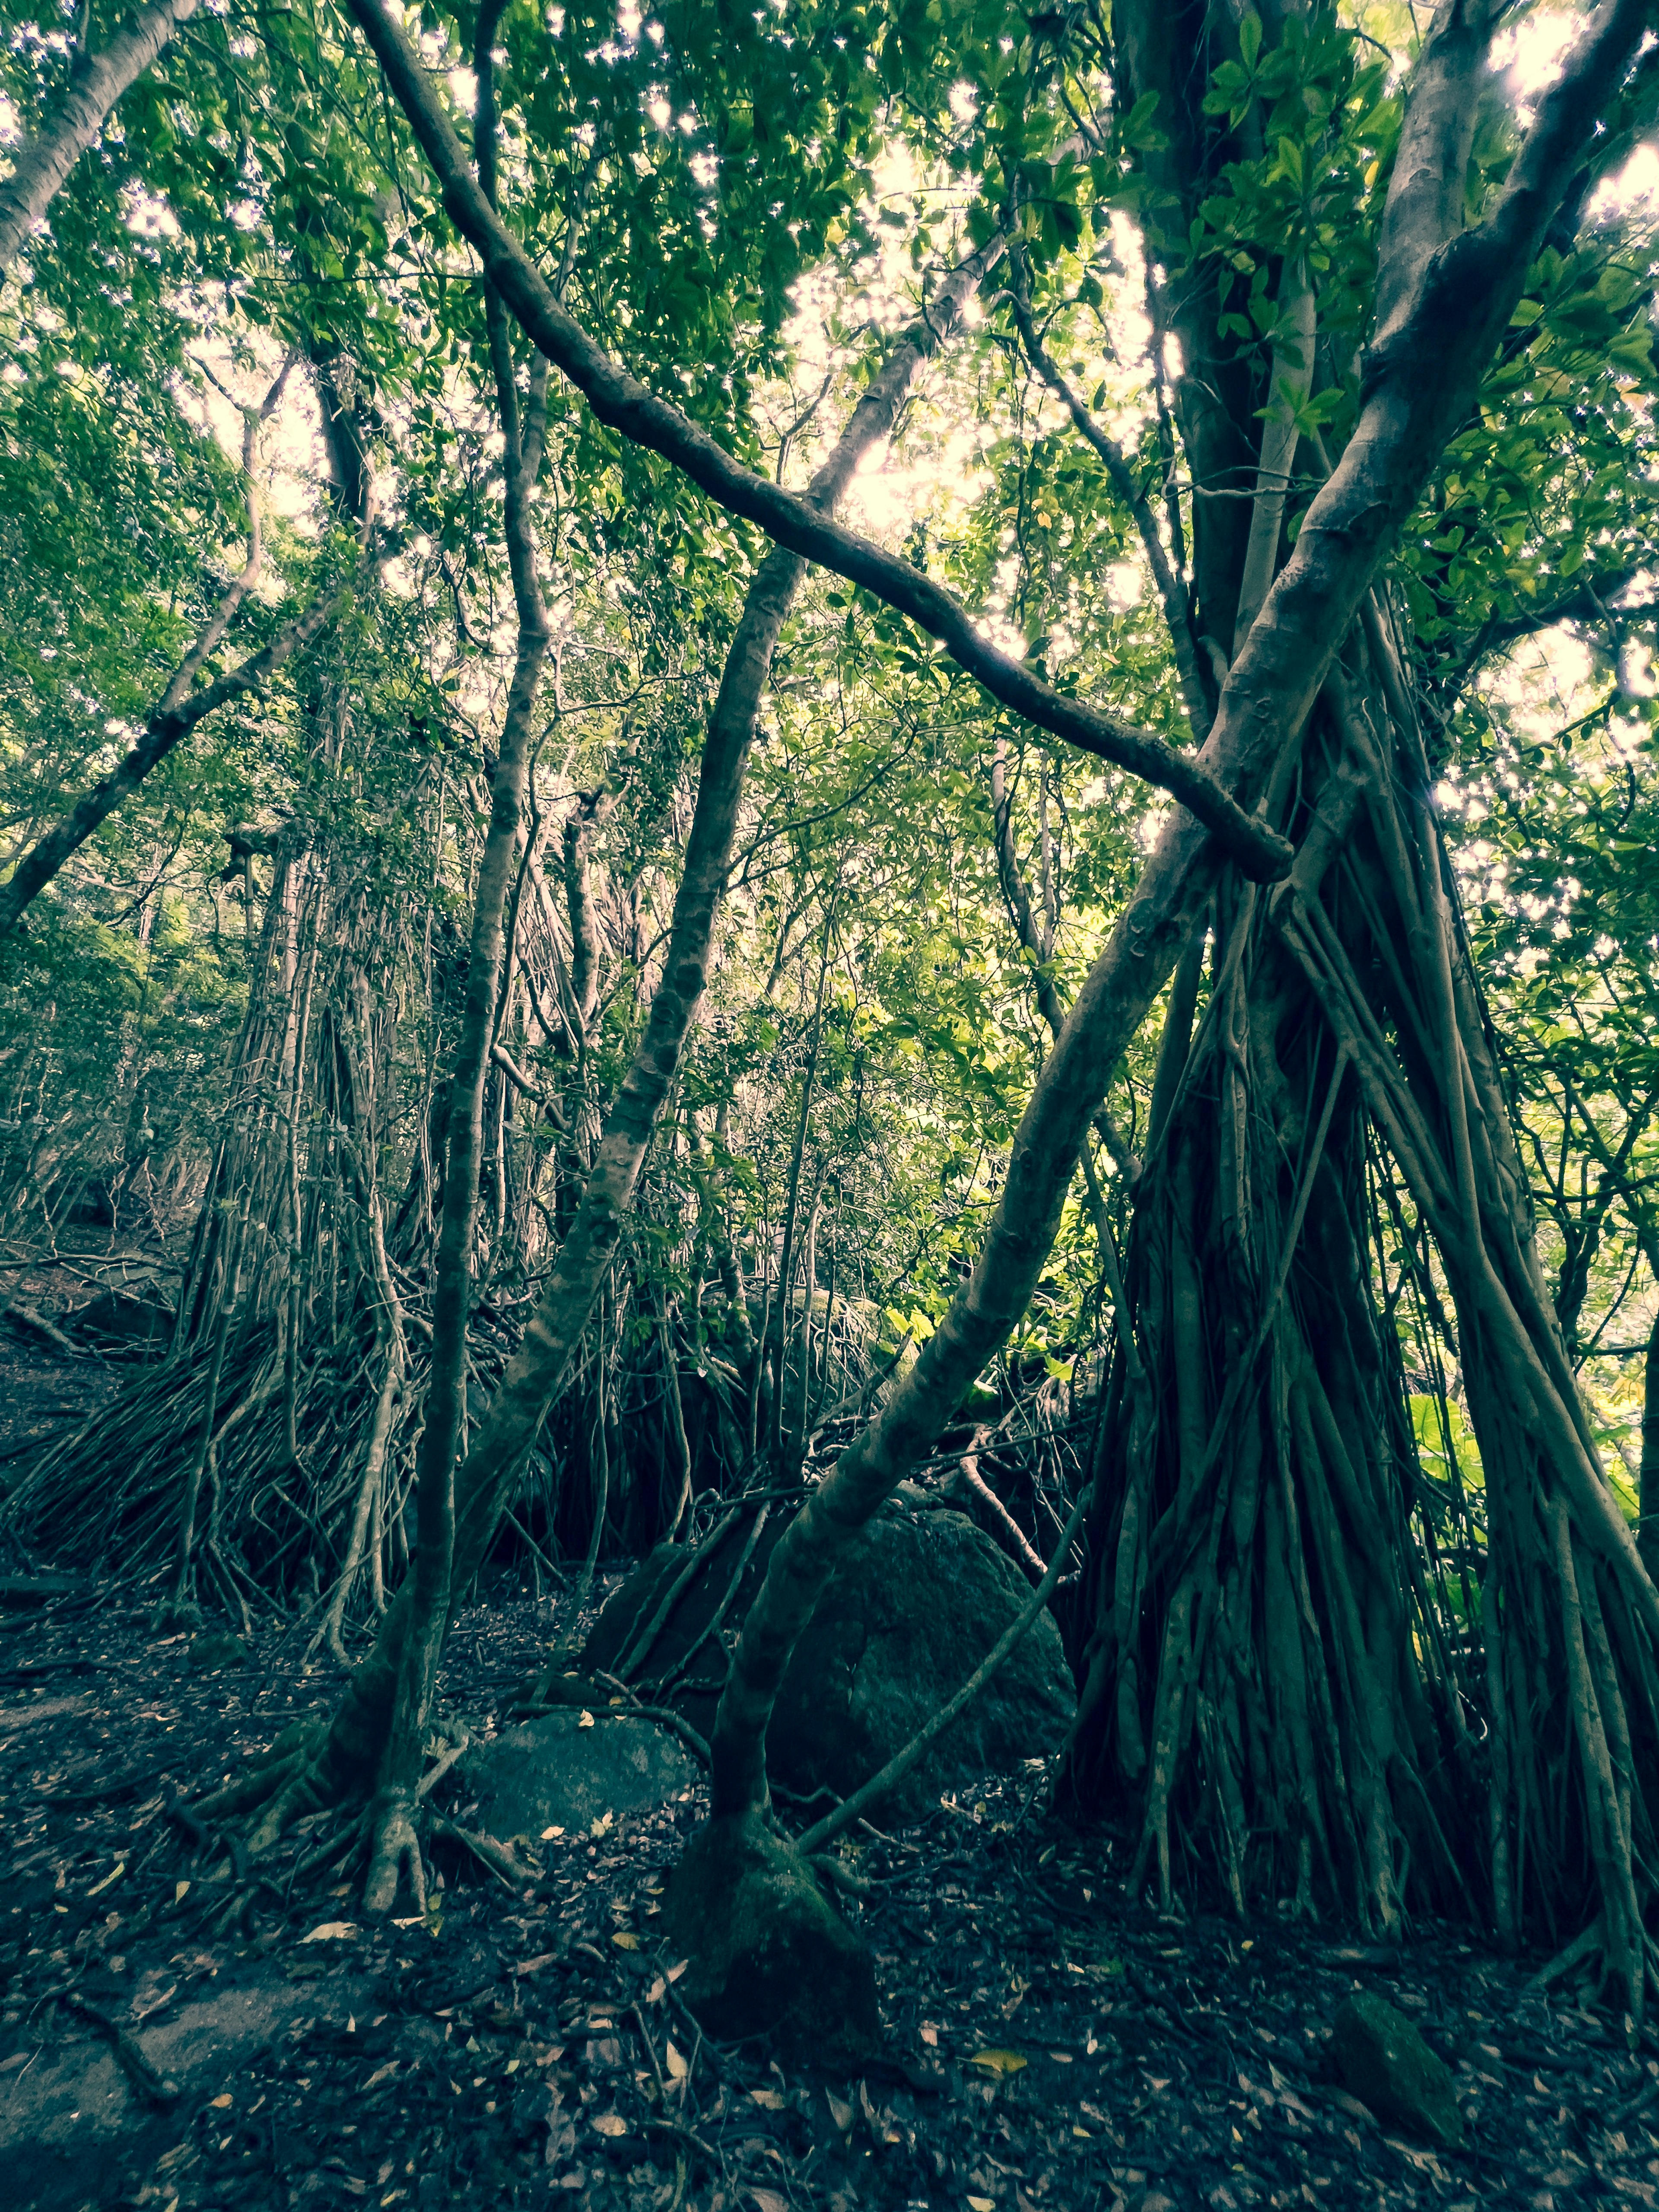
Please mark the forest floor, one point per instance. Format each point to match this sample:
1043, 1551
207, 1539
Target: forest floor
181, 2030
1053, 2044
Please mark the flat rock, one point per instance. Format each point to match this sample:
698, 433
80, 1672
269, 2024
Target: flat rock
553, 1773
916, 1603
70, 2121
1386, 2063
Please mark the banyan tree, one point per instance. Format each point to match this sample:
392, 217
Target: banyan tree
1343, 347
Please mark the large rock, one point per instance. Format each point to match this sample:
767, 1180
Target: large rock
553, 1773
910, 1612
1386, 2063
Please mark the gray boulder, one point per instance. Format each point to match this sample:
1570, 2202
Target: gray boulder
1386, 2063
553, 1773
910, 1612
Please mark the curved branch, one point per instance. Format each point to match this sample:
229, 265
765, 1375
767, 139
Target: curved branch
619, 399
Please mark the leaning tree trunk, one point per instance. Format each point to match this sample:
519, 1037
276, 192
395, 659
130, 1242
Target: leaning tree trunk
96, 83
1444, 294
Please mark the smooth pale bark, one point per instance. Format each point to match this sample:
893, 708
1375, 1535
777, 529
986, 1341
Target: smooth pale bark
1460, 295
46, 156
535, 1372
801, 523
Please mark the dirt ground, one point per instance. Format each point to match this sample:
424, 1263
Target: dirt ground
182, 2030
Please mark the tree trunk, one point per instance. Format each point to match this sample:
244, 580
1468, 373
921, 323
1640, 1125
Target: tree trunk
355, 1741
96, 83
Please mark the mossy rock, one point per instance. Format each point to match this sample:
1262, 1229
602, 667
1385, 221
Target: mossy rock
916, 1603
770, 1954
208, 1654
1386, 2063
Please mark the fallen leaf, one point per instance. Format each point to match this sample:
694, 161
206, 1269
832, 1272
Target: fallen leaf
772, 2099
983, 2203
674, 1972
534, 1965
220, 2104
654, 1994
331, 1931
841, 2114
548, 1834
929, 2033
611, 2123
997, 2061
178, 1889
101, 1886
769, 2200
624, 1941
587, 1721
381, 2073
674, 2060
21, 2058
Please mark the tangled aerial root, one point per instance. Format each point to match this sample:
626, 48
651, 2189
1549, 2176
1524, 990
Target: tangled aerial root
288, 1783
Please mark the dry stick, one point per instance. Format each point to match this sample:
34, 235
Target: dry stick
637, 1653
801, 523
969, 1465
677, 1673
46, 158
855, 1807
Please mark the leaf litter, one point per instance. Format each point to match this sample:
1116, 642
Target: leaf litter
1051, 2042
